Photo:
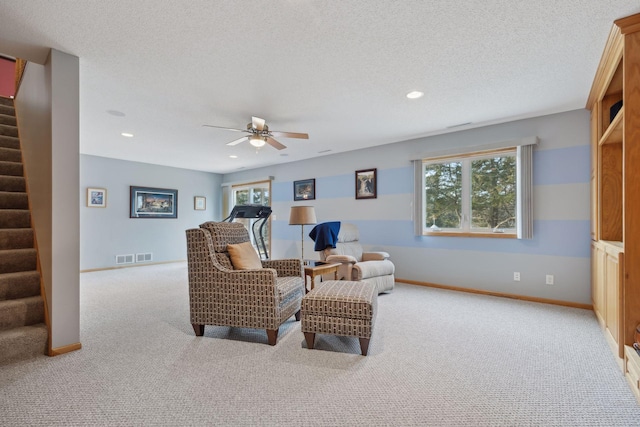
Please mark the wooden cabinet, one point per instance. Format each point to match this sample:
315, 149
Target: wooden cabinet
614, 102
632, 370
607, 292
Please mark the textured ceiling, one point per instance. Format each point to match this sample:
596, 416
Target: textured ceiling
338, 70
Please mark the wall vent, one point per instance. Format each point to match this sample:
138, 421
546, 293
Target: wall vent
144, 257
124, 259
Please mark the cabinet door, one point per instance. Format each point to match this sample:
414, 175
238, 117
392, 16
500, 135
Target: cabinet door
598, 282
612, 316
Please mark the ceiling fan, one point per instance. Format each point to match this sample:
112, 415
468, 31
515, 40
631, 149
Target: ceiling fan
259, 134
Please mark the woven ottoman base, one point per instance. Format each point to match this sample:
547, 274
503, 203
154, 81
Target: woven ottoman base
340, 307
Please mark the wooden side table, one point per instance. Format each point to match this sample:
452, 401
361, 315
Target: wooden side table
318, 268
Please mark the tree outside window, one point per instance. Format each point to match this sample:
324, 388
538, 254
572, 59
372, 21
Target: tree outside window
476, 193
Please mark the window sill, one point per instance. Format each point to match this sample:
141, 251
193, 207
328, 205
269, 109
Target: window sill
468, 234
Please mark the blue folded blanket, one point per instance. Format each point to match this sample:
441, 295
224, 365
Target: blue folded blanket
325, 235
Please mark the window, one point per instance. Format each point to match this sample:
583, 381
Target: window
476, 194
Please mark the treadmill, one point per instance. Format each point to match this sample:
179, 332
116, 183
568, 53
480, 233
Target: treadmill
259, 212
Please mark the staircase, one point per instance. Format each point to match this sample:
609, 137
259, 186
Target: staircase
23, 333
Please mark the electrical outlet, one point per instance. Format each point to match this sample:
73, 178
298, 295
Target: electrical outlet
516, 276
549, 279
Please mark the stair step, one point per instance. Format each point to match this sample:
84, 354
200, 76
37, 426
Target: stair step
7, 120
16, 238
23, 343
7, 110
15, 218
6, 101
9, 142
13, 200
12, 183
15, 260
8, 130
10, 155
22, 284
11, 168
15, 313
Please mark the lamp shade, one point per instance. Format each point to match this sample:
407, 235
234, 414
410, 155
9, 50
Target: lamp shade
302, 215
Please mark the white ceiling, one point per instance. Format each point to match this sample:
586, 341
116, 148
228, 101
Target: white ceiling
336, 69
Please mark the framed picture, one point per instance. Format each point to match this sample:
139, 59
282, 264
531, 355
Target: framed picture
200, 203
366, 184
147, 202
96, 197
304, 190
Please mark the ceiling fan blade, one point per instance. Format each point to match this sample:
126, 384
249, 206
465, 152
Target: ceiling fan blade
275, 144
257, 123
238, 141
220, 127
291, 134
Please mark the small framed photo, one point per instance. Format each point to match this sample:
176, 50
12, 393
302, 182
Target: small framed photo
96, 197
200, 203
147, 202
366, 184
304, 189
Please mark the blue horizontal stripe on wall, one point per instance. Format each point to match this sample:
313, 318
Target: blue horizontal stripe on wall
554, 238
562, 166
390, 181
336, 186
281, 230
568, 165
395, 181
282, 191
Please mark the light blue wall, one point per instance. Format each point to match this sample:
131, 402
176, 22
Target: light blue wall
107, 232
561, 243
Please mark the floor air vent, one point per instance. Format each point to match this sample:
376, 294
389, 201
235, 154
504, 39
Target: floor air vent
124, 259
144, 257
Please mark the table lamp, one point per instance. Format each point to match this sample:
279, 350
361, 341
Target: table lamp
302, 215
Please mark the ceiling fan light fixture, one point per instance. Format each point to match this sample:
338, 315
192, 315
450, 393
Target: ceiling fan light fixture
257, 141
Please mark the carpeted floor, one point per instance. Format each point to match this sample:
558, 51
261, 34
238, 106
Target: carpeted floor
437, 358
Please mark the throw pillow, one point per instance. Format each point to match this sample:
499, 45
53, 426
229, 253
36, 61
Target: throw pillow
244, 256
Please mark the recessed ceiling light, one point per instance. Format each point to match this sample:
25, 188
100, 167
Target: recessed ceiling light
415, 94
233, 156
128, 135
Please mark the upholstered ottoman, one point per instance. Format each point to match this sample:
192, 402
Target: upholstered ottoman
340, 307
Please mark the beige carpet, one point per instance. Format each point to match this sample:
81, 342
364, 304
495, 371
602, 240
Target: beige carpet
437, 358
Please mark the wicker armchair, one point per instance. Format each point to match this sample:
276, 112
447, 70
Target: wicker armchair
219, 295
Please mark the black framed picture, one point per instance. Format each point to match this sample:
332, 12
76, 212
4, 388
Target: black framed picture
304, 189
147, 202
366, 184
